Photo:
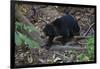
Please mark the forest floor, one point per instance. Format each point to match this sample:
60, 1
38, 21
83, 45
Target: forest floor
39, 16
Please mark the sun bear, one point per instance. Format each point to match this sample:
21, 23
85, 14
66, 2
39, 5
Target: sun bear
65, 26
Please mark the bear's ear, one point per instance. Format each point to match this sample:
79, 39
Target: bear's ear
48, 30
56, 23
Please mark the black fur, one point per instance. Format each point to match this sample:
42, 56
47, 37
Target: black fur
66, 26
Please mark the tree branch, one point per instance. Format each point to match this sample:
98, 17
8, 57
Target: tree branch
85, 34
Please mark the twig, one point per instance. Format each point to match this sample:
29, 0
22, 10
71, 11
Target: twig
43, 21
82, 43
42, 61
85, 34
63, 56
80, 37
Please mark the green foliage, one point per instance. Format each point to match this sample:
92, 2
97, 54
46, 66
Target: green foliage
83, 57
21, 38
18, 40
89, 56
21, 26
90, 48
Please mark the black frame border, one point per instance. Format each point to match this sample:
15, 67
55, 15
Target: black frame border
12, 34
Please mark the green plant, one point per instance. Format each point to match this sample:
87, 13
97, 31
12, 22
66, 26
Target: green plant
89, 56
90, 48
21, 37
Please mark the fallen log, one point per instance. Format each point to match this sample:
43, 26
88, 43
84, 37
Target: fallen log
67, 47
